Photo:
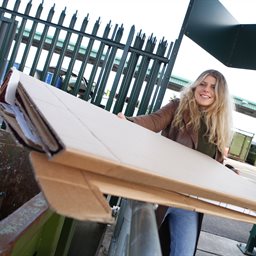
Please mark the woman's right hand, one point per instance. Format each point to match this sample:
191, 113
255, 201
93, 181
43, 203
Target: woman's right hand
121, 116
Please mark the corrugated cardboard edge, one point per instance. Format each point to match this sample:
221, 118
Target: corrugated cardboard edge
162, 197
83, 184
130, 174
68, 192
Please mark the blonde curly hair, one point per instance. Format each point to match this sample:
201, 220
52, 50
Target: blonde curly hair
217, 117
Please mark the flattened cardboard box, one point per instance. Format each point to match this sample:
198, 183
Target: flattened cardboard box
101, 153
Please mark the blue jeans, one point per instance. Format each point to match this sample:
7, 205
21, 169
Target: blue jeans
183, 227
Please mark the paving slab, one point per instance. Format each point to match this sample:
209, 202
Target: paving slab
210, 244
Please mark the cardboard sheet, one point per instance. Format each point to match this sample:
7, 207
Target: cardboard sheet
69, 192
94, 140
74, 179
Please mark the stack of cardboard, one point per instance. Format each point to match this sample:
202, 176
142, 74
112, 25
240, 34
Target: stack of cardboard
81, 152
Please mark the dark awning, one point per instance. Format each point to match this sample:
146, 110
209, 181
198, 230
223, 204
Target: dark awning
212, 27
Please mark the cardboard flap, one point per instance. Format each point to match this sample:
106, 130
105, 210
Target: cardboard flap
68, 192
79, 193
162, 197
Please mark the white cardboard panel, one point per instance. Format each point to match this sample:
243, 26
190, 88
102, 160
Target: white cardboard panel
133, 153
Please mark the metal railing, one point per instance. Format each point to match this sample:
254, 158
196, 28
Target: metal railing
131, 77
136, 231
123, 76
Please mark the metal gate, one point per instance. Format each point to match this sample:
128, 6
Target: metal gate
131, 77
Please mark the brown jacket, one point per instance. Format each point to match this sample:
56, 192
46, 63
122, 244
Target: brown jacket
161, 121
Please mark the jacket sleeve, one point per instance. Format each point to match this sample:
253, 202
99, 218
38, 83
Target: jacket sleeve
158, 120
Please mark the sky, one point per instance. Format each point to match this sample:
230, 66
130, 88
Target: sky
164, 20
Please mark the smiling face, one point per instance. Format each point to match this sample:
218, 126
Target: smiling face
205, 91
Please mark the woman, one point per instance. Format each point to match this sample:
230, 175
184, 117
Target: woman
201, 120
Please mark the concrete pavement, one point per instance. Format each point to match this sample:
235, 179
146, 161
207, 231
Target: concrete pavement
210, 245
222, 237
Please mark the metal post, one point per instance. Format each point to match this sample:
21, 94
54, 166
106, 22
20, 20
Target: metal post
172, 60
53, 45
31, 36
120, 69
7, 34
41, 42
144, 239
248, 248
119, 242
19, 35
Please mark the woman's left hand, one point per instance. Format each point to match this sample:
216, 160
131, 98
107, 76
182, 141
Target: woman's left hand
121, 115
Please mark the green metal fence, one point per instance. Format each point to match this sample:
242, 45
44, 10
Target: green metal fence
130, 77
